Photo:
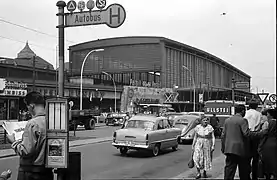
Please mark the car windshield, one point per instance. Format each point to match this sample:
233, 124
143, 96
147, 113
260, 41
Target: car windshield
148, 125
182, 121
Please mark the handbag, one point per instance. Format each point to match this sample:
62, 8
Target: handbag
191, 162
260, 168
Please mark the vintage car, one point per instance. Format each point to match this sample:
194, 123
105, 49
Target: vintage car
115, 118
186, 124
146, 132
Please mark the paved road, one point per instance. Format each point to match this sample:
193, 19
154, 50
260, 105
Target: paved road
104, 161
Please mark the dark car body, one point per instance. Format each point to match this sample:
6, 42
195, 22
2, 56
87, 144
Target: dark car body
115, 118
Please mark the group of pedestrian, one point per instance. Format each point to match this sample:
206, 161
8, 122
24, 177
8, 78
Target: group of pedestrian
249, 142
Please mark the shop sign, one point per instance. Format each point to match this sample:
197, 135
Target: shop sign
144, 83
14, 92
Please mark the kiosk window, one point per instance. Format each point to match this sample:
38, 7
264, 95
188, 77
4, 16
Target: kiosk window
14, 110
3, 109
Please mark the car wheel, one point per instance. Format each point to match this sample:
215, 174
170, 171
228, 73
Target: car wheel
90, 125
174, 148
123, 150
156, 150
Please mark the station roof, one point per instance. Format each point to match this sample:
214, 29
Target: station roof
134, 40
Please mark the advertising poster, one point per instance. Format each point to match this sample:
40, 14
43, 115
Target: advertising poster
56, 152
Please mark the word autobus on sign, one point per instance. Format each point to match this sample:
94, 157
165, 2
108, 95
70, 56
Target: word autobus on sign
113, 16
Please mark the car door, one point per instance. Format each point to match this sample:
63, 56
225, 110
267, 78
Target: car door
160, 133
170, 134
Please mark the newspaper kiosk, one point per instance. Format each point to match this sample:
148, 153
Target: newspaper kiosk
66, 164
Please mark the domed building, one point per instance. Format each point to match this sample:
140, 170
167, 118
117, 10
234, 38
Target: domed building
26, 58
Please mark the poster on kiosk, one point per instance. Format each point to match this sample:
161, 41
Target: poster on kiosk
57, 133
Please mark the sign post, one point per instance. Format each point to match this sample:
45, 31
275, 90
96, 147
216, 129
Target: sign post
57, 148
57, 144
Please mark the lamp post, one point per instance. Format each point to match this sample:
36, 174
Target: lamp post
114, 88
81, 78
185, 67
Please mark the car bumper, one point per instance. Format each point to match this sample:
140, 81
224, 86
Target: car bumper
130, 146
186, 138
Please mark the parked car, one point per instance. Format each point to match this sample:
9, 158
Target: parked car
115, 118
146, 132
186, 124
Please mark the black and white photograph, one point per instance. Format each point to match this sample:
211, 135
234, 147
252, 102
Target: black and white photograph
151, 89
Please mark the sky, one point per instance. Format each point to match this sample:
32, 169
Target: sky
244, 37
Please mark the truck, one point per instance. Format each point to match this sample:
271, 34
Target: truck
86, 118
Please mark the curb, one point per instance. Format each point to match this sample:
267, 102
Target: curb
77, 143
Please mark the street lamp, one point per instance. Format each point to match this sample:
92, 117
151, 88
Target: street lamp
114, 88
81, 78
185, 67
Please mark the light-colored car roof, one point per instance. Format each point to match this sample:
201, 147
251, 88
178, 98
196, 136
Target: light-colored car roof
186, 116
146, 118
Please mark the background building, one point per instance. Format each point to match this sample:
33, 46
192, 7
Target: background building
158, 62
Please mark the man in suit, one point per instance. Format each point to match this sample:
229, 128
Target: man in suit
235, 144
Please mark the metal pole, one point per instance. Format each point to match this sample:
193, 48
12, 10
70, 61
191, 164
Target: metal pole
61, 5
185, 67
34, 72
233, 91
114, 88
81, 78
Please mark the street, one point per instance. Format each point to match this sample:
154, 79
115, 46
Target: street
103, 161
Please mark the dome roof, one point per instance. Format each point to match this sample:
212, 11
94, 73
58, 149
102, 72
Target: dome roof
26, 52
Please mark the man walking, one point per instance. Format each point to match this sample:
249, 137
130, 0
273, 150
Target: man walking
235, 144
215, 122
32, 147
254, 119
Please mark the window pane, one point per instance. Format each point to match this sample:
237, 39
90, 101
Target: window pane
14, 109
3, 109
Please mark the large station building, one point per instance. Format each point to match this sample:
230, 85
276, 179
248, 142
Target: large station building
146, 70
157, 62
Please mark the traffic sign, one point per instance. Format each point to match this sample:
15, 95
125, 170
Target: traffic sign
101, 4
71, 6
81, 5
262, 96
113, 16
201, 98
242, 85
272, 98
90, 4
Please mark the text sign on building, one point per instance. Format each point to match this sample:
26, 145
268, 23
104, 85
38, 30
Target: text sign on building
218, 108
113, 16
242, 85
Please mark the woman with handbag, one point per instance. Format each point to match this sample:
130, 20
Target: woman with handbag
203, 147
268, 148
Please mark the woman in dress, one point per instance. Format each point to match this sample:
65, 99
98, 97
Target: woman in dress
268, 147
203, 146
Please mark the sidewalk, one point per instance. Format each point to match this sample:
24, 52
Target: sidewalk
217, 171
9, 152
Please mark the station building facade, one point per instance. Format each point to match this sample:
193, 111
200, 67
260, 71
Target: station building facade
158, 62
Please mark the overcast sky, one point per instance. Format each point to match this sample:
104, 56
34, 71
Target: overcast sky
245, 37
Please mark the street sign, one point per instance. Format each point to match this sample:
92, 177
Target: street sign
201, 98
101, 4
262, 96
90, 4
81, 5
113, 16
242, 85
71, 6
272, 98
